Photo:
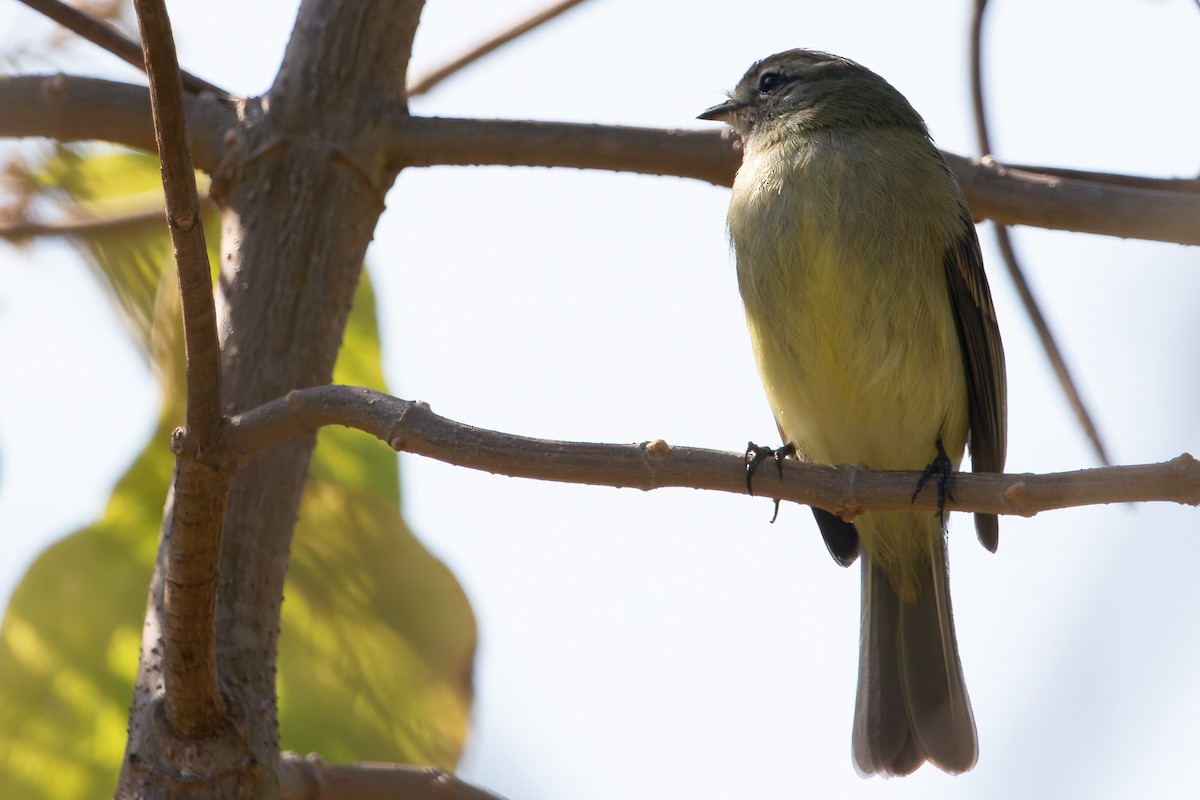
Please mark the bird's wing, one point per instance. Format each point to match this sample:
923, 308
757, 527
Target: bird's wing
979, 336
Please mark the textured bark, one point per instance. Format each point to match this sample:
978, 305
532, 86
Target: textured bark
301, 189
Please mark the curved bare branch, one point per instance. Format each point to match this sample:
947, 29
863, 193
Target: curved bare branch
1008, 253
431, 79
412, 427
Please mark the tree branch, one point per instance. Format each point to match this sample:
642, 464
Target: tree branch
848, 490
107, 37
300, 195
1014, 196
994, 191
88, 225
312, 779
184, 219
1009, 254
72, 108
435, 141
1185, 185
436, 76
194, 706
21, 229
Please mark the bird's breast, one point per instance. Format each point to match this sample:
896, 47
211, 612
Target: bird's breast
840, 244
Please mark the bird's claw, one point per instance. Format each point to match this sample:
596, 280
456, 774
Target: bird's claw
755, 455
941, 467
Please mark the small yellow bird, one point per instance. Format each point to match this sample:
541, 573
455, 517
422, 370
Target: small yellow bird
876, 340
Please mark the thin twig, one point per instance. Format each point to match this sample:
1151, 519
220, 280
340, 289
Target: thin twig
23, 229
194, 706
1057, 361
184, 218
848, 490
433, 78
1009, 255
89, 225
109, 38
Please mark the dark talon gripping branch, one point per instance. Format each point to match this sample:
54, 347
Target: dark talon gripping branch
943, 468
755, 455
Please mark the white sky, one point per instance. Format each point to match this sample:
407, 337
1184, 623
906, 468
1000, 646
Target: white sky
642, 645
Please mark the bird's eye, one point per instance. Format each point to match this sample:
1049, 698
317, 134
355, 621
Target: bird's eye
769, 81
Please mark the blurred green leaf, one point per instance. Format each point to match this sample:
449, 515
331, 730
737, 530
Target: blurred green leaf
127, 258
377, 641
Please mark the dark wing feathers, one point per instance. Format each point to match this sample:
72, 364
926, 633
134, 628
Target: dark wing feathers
840, 536
979, 336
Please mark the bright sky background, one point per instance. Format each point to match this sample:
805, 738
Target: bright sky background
674, 644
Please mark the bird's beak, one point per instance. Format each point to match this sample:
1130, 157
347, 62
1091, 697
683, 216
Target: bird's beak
723, 112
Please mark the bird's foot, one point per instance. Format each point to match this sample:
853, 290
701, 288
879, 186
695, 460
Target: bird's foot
943, 468
755, 455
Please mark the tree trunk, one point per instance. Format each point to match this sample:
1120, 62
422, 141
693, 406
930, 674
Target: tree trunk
301, 190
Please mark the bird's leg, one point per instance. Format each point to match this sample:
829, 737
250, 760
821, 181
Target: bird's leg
755, 455
941, 467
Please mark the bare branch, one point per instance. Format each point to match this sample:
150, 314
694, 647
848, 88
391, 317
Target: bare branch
994, 191
87, 225
1187, 185
184, 219
194, 706
430, 141
1009, 254
1057, 361
23, 229
1019, 197
978, 107
71, 108
847, 490
312, 779
433, 78
109, 38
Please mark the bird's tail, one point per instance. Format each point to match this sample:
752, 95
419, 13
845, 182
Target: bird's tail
912, 702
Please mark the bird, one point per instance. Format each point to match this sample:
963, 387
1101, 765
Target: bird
876, 340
